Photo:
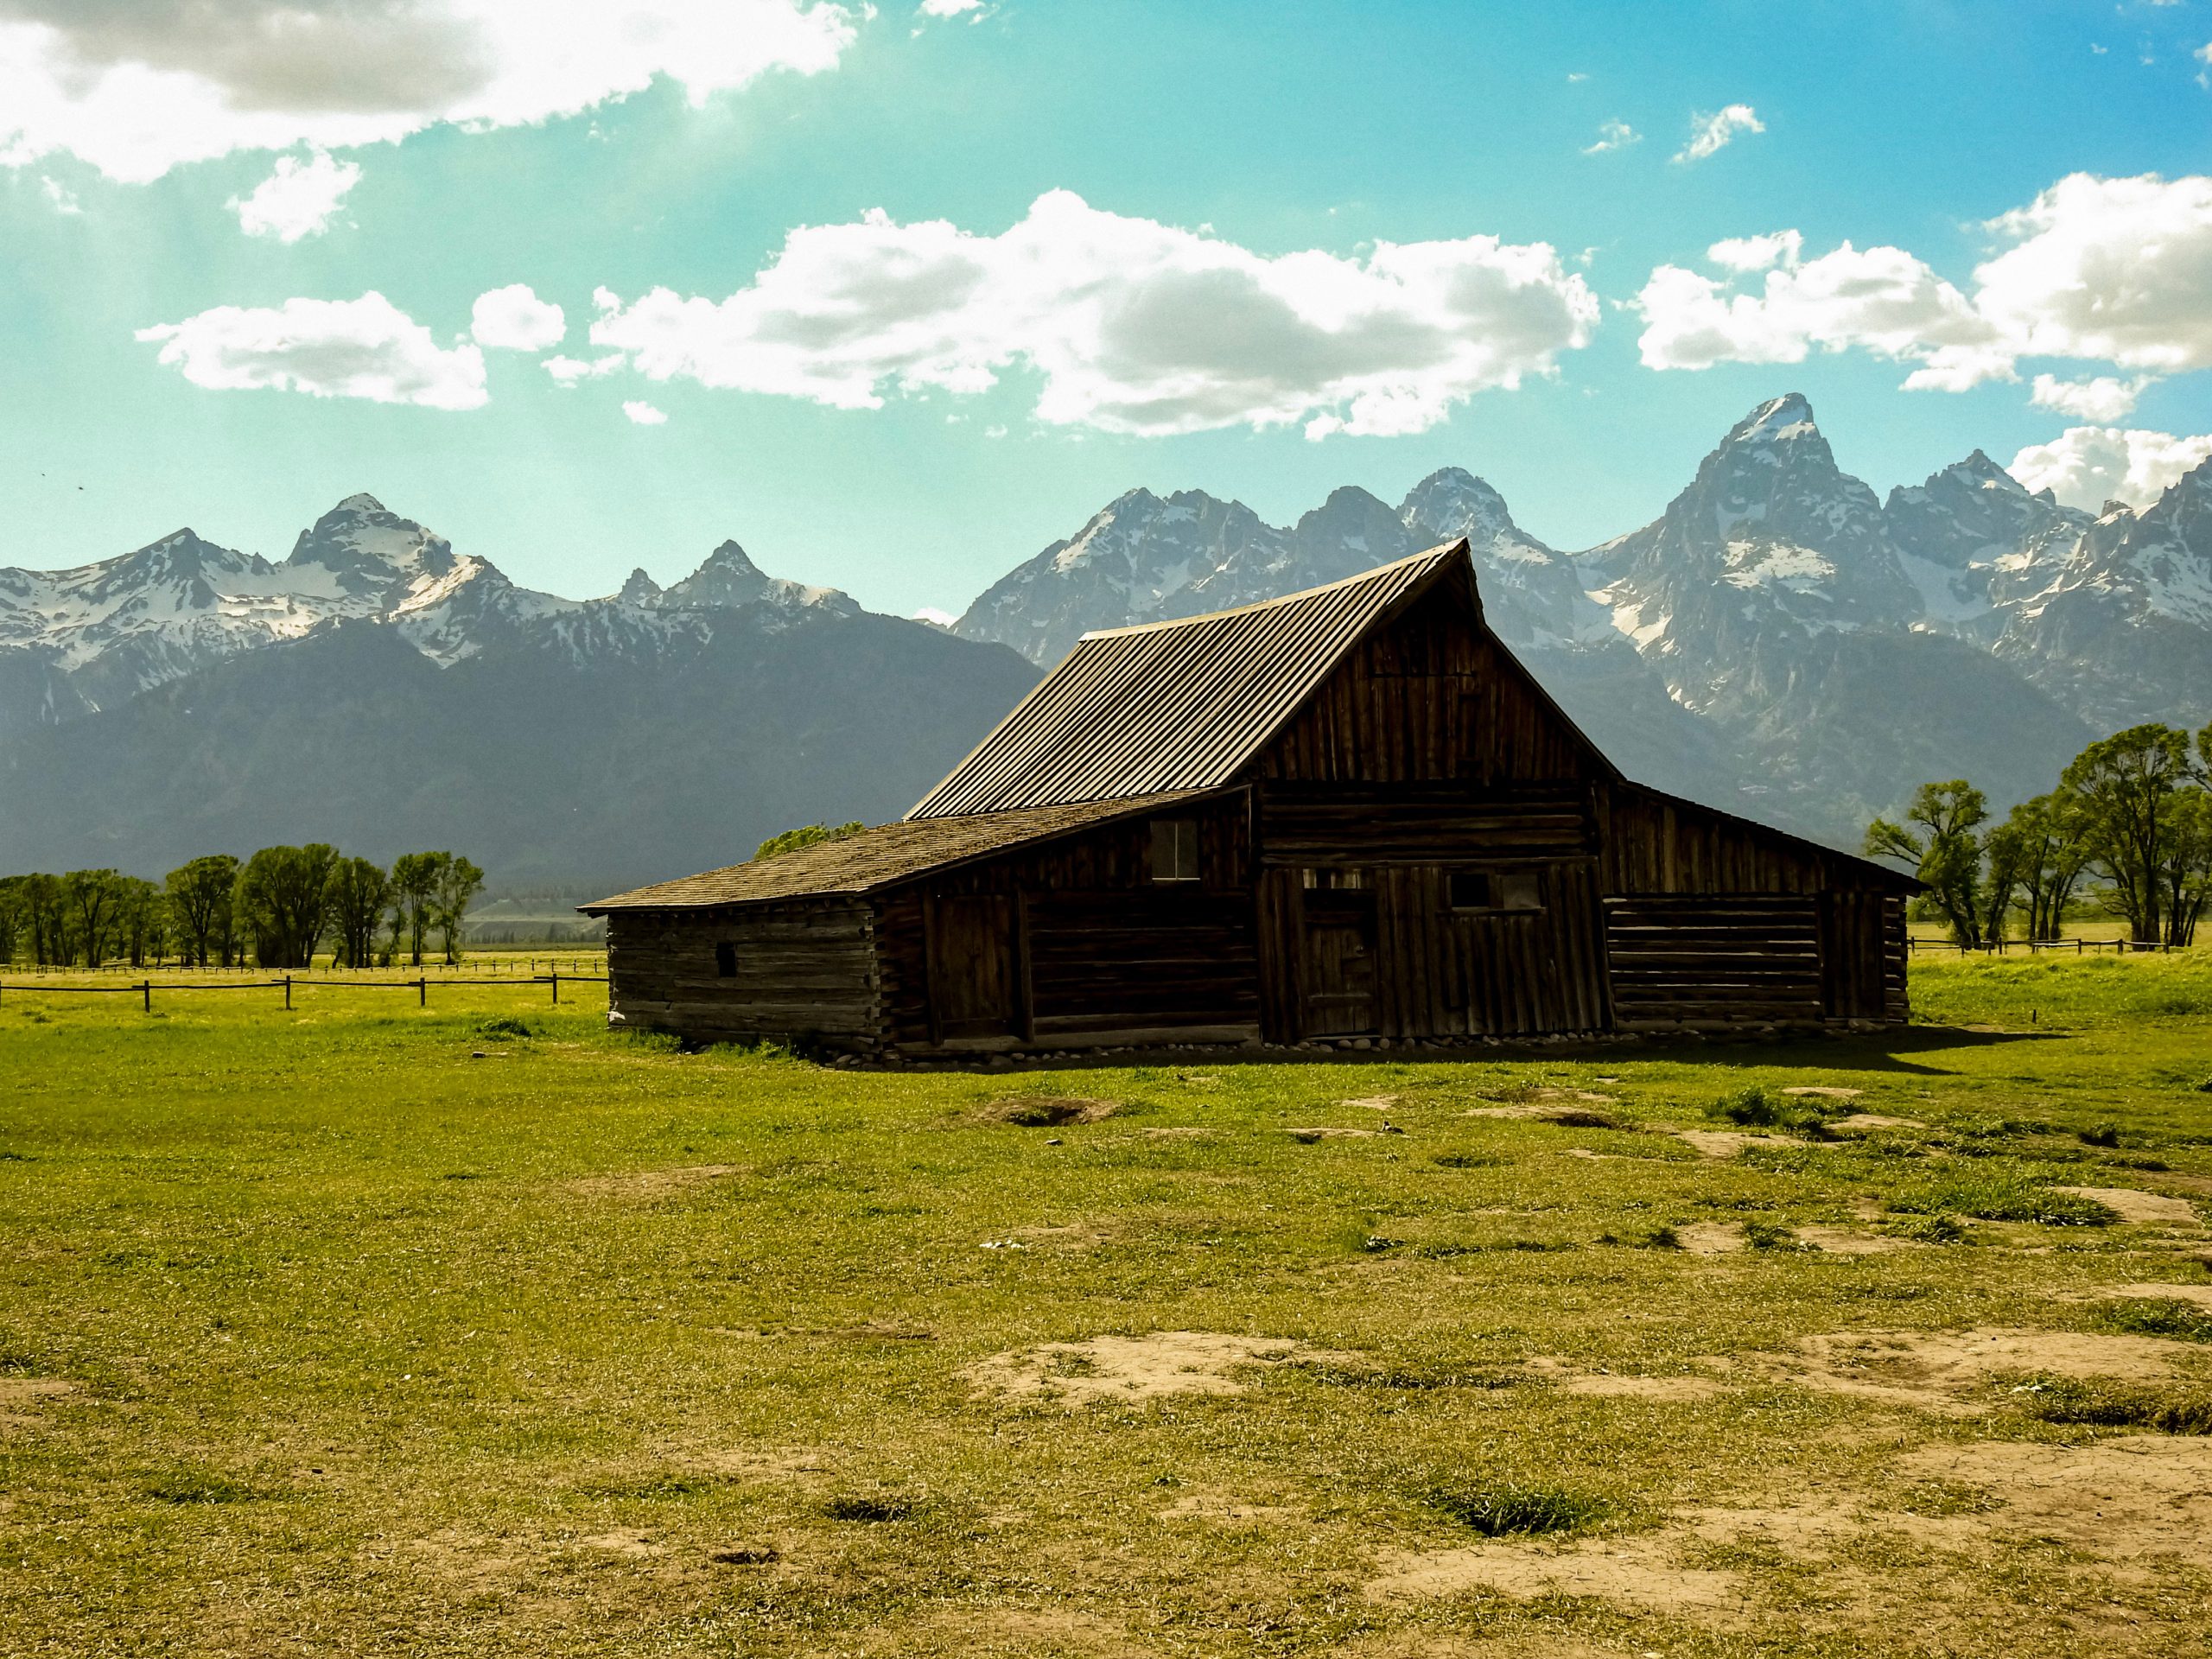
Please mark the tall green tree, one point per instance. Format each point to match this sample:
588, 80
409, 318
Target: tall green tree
2051, 835
1938, 839
45, 918
93, 897
459, 883
200, 895
12, 920
2185, 867
415, 887
283, 902
2130, 785
359, 893
142, 921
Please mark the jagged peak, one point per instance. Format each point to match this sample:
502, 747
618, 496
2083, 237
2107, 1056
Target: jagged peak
362, 502
729, 559
638, 589
2114, 509
1778, 420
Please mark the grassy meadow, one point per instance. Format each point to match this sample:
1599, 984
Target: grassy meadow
479, 1330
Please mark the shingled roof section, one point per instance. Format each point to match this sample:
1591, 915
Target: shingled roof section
876, 858
1173, 705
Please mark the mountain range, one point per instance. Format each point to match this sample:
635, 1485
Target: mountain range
1779, 641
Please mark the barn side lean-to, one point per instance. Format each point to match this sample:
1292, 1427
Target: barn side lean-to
1346, 815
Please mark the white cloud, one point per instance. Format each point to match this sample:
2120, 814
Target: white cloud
941, 619
568, 371
63, 198
1711, 133
2103, 399
1131, 325
1576, 77
644, 413
2113, 271
1758, 253
1613, 135
298, 199
2116, 269
973, 10
1880, 299
2203, 56
513, 319
327, 348
135, 87
2087, 465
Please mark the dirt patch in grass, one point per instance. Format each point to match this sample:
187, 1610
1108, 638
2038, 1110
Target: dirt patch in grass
623, 1540
2134, 1496
17, 1393
2132, 1205
1849, 1241
1572, 1379
1949, 1372
753, 1462
1726, 1143
1824, 1091
1309, 1137
653, 1183
472, 1562
1048, 1111
2200, 1295
1124, 1369
1640, 1572
1373, 1103
1229, 1511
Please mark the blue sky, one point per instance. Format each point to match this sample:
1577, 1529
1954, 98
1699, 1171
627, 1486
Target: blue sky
1064, 248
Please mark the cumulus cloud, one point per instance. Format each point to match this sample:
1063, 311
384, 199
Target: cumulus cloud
2103, 270
2103, 399
643, 414
327, 348
568, 371
1758, 253
135, 87
1880, 299
2087, 465
1613, 135
2116, 269
298, 199
1131, 325
1714, 132
973, 10
513, 319
60, 197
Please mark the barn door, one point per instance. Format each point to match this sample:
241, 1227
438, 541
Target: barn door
971, 967
1339, 946
1851, 956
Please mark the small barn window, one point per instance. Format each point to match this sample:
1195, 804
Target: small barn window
1485, 890
1174, 850
726, 960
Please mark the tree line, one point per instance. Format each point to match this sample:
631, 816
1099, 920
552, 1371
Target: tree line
278, 908
2129, 826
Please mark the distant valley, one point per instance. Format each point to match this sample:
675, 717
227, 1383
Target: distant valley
1779, 641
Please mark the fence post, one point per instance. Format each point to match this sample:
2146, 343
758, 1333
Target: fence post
423, 992
147, 986
288, 993
556, 983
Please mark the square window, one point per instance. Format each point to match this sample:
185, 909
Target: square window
1470, 890
1174, 850
1519, 891
726, 960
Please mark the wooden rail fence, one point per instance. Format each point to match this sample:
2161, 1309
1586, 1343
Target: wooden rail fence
144, 988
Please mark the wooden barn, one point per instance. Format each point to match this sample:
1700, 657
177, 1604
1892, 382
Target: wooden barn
1345, 816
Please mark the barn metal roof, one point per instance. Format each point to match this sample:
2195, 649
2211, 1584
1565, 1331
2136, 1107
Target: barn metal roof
1177, 705
876, 858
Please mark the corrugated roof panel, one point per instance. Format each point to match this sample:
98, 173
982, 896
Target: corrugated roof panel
1172, 705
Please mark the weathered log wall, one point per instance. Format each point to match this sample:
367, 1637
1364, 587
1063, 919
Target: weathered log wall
803, 971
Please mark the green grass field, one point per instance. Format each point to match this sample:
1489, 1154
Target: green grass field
371, 1330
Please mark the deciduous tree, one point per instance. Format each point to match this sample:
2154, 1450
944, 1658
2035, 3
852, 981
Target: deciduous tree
283, 902
200, 895
1938, 839
459, 883
360, 894
2129, 785
93, 897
